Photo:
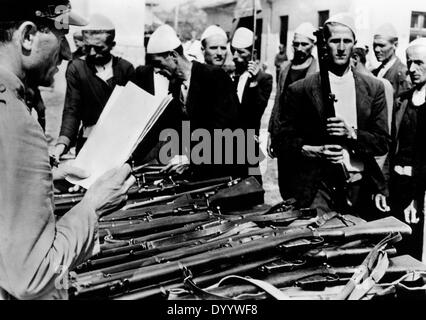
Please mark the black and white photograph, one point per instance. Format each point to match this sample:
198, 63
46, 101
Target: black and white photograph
210, 156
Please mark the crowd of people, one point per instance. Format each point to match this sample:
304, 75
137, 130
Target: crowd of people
374, 136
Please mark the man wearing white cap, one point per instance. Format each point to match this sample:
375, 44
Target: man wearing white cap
203, 95
254, 86
90, 83
391, 67
302, 65
214, 44
409, 163
360, 127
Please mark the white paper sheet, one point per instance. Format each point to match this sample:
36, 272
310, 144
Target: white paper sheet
122, 124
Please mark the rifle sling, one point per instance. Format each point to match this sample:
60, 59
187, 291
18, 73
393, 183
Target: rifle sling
272, 291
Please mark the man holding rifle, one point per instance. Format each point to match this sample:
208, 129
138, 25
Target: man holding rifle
343, 126
36, 249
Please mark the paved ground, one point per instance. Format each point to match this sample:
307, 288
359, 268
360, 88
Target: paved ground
54, 100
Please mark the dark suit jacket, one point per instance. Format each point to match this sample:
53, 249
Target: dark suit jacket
144, 78
212, 103
255, 100
87, 95
303, 122
285, 69
397, 76
411, 151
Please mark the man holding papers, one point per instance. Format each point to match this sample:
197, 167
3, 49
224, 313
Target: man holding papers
204, 97
37, 250
90, 82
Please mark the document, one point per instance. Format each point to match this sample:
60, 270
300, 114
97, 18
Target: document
126, 119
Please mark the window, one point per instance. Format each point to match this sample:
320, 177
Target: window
323, 17
284, 30
418, 25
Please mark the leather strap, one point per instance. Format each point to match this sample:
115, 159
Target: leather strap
269, 289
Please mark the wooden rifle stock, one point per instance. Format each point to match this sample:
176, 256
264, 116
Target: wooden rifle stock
339, 174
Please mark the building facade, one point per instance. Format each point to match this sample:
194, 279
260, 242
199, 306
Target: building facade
279, 19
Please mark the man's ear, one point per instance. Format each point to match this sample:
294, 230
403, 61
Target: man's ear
26, 33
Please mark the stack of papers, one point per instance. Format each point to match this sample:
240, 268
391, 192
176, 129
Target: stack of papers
127, 118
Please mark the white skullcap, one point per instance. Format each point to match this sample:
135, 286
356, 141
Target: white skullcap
213, 31
386, 30
345, 19
419, 42
306, 29
99, 22
164, 39
243, 38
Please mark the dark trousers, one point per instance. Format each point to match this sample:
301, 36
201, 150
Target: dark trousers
358, 195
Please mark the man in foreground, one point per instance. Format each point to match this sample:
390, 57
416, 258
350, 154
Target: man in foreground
316, 146
36, 249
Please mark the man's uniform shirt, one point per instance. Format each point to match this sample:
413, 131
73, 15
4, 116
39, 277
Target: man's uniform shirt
35, 246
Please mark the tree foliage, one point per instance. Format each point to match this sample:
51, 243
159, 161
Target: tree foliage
192, 20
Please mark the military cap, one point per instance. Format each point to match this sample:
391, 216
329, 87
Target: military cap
58, 10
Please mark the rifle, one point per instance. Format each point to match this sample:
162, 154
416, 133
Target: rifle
264, 247
338, 173
314, 278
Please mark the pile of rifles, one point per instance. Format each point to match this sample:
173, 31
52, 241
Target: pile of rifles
217, 240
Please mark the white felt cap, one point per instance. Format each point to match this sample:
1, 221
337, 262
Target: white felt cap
343, 18
164, 39
306, 29
213, 30
243, 38
98, 22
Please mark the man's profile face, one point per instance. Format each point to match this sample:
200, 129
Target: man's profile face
164, 64
46, 56
302, 47
241, 59
341, 44
216, 50
79, 43
384, 49
416, 64
355, 60
97, 48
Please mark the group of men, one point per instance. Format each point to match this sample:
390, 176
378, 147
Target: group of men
207, 95
378, 156
378, 116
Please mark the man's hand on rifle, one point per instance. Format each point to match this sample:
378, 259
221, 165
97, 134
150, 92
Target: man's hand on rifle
253, 68
330, 153
337, 127
109, 192
271, 151
410, 213
179, 164
381, 203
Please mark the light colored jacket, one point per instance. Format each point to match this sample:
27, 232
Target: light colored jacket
36, 249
